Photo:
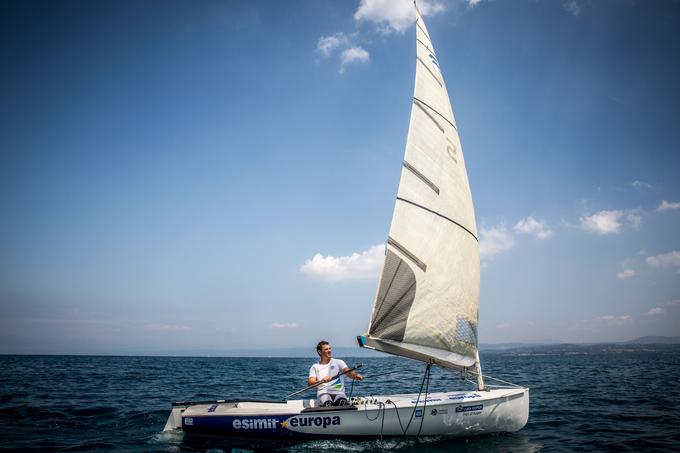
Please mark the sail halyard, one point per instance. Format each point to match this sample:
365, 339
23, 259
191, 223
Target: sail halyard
427, 302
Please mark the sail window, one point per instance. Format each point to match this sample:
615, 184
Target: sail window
465, 331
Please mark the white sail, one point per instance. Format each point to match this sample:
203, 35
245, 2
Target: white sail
427, 303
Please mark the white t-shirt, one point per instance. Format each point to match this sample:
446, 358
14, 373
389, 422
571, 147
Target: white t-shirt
331, 369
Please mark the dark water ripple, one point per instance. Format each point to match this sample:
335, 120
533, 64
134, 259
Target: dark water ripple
587, 402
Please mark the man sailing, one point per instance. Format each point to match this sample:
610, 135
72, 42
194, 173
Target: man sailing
332, 392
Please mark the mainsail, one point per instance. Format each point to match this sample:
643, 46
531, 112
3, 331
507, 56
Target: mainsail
427, 304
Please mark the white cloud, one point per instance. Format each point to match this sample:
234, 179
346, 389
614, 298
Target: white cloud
613, 320
327, 44
656, 311
603, 222
674, 302
494, 241
573, 7
284, 325
395, 15
352, 55
667, 206
641, 185
670, 259
473, 3
635, 220
529, 225
626, 273
356, 266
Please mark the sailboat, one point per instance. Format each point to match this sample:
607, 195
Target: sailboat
426, 307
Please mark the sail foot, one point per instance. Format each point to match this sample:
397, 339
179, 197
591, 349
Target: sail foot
426, 354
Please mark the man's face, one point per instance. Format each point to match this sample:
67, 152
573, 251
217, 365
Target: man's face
326, 351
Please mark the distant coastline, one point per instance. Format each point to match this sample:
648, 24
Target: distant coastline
641, 344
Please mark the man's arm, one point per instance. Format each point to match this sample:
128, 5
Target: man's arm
352, 374
311, 380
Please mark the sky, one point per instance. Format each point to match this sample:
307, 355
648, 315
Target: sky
202, 176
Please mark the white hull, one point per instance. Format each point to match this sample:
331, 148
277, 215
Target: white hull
449, 414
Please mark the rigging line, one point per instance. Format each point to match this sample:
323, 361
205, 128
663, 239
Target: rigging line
438, 214
495, 379
420, 392
427, 386
429, 107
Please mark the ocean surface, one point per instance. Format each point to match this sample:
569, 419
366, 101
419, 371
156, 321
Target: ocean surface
589, 400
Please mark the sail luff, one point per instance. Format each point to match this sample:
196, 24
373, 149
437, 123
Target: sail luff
427, 302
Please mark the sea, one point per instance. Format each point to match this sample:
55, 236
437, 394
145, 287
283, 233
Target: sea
582, 399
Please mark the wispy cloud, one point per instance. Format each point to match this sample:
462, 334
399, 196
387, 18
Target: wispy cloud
573, 7
613, 320
473, 3
673, 302
670, 259
626, 273
327, 44
395, 15
656, 311
641, 185
357, 266
353, 55
603, 222
667, 206
494, 241
538, 228
284, 325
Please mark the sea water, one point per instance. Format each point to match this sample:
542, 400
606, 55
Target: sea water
580, 401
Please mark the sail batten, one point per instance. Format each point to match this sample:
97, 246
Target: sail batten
427, 302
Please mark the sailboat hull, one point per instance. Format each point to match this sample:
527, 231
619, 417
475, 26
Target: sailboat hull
447, 414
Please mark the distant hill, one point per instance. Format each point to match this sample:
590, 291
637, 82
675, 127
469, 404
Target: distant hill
655, 340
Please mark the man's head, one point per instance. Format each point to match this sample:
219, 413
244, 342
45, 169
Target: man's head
323, 348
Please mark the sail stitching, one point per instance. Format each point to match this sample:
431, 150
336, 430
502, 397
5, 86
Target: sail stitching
429, 115
408, 254
430, 71
445, 118
438, 214
422, 177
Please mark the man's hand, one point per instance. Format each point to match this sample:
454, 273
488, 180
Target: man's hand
326, 379
358, 377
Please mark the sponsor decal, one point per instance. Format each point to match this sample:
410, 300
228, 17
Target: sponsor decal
188, 421
433, 412
419, 413
464, 396
429, 400
433, 59
443, 411
254, 423
321, 422
476, 407
212, 408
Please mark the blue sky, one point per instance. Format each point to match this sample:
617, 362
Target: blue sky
220, 175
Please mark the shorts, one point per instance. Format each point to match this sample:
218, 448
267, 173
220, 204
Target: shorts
332, 399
